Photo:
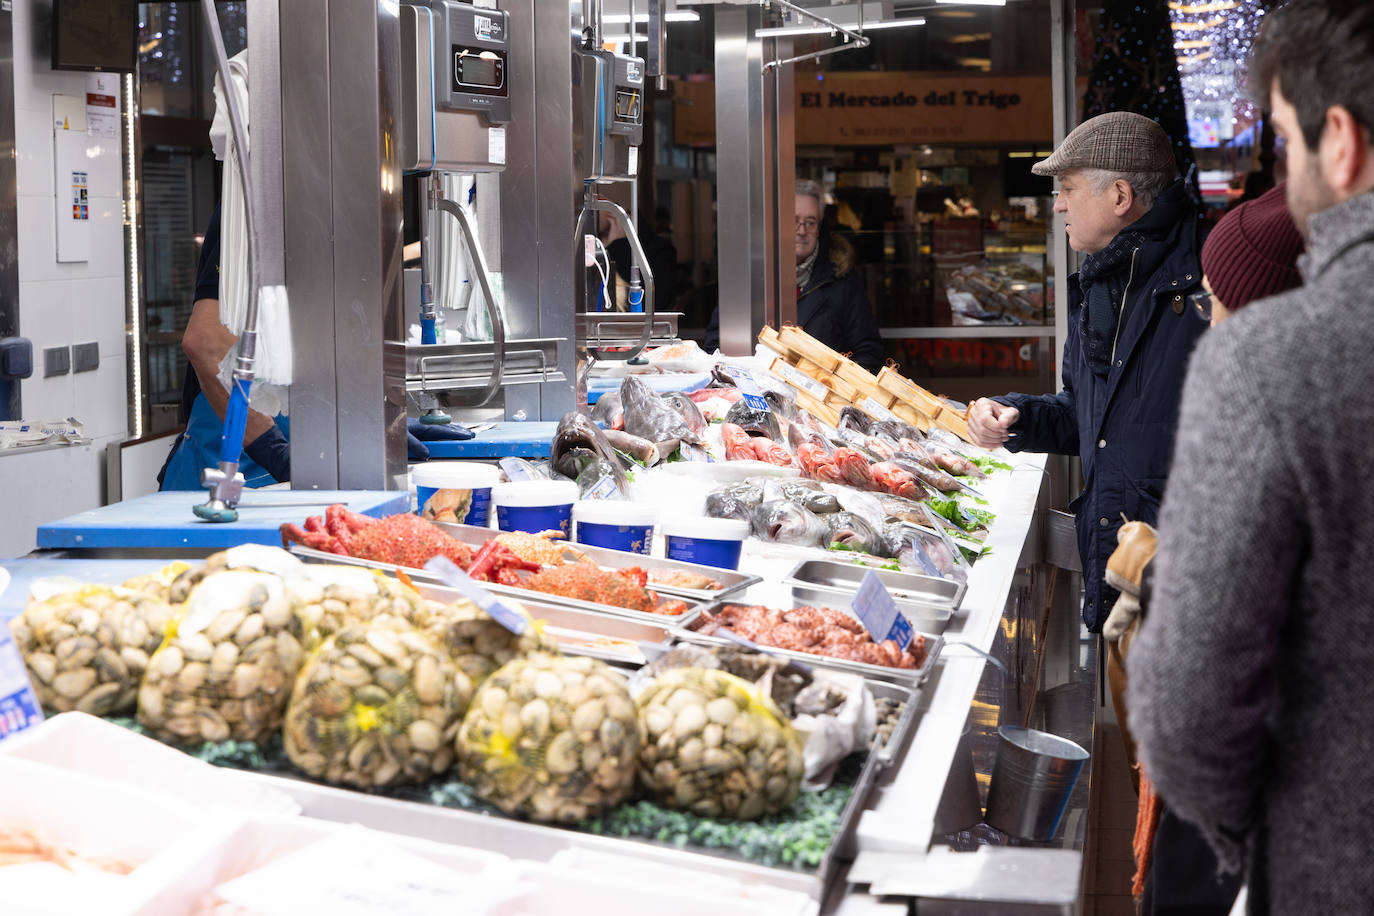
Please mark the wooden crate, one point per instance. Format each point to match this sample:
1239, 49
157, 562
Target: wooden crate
822, 412
904, 389
910, 414
841, 389
798, 378
952, 421
809, 348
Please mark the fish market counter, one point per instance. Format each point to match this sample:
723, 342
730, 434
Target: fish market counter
895, 836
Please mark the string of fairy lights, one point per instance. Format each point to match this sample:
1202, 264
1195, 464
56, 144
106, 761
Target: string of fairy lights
1212, 41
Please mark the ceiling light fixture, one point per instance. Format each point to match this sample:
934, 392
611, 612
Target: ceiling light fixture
674, 16
973, 2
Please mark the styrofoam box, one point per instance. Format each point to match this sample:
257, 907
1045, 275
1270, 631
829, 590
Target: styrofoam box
87, 744
96, 818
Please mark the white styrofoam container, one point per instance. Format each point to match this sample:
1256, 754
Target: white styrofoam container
87, 744
96, 818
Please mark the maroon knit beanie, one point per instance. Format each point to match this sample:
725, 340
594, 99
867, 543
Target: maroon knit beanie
1253, 251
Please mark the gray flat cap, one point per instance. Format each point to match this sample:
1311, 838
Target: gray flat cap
1119, 141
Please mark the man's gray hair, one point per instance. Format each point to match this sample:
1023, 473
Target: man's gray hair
1146, 185
811, 189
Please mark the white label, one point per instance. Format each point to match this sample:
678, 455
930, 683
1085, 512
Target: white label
633, 73
605, 489
496, 145
482, 27
695, 453
634, 160
750, 392
19, 707
447, 570
878, 612
800, 380
517, 469
874, 409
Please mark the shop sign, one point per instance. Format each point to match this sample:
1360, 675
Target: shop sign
857, 109
1013, 356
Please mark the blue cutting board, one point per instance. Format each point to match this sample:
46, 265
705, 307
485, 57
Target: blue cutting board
165, 521
532, 439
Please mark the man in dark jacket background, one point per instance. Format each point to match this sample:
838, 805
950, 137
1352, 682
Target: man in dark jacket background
1131, 332
831, 303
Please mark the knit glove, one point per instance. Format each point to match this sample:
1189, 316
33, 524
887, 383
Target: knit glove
417, 434
1136, 545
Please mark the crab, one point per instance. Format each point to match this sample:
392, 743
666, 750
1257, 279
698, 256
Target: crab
540, 548
404, 540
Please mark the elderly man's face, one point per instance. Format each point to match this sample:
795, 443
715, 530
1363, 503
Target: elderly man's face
808, 225
1091, 217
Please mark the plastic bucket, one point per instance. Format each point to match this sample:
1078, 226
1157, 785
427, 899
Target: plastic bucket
455, 491
534, 505
615, 524
707, 541
1031, 782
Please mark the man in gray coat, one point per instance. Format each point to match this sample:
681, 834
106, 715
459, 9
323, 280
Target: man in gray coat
1252, 678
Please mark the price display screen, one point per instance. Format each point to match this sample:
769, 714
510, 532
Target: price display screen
626, 105
477, 70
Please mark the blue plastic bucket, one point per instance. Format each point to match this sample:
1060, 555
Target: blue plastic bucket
535, 505
707, 541
454, 491
615, 524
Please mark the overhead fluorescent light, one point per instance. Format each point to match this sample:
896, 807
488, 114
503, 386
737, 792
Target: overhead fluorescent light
789, 31
673, 16
973, 2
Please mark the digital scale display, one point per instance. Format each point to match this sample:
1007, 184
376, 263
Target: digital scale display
626, 105
478, 71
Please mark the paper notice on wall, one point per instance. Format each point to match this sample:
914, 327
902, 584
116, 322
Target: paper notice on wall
102, 104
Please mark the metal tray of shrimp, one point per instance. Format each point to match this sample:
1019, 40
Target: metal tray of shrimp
608, 637
523, 595
914, 676
729, 580
908, 587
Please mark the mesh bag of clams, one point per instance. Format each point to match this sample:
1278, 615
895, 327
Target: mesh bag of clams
86, 648
478, 644
715, 746
226, 667
377, 704
158, 584
552, 738
340, 596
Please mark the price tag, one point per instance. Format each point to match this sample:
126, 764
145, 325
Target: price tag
874, 409
693, 452
449, 572
19, 707
800, 380
605, 489
876, 610
517, 469
749, 388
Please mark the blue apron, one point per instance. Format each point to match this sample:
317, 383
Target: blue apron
198, 448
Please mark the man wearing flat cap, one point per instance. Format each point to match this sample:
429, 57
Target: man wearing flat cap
1131, 331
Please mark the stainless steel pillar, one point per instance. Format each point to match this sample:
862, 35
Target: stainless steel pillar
539, 193
9, 220
342, 202
755, 169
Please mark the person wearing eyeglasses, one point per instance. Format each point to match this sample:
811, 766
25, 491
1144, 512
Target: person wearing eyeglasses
832, 305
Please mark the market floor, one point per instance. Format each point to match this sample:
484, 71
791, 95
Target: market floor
1108, 863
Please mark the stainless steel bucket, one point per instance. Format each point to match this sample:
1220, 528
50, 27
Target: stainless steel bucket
1032, 780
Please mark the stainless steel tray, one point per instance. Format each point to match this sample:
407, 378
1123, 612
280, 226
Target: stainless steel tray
444, 367
580, 632
924, 617
625, 328
731, 581
905, 586
523, 595
912, 676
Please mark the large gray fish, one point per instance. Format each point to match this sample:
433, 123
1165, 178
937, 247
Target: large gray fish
852, 532
806, 493
650, 417
608, 411
577, 431
691, 413
751, 420
736, 500
785, 522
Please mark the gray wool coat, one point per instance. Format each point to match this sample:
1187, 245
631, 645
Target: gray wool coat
1251, 683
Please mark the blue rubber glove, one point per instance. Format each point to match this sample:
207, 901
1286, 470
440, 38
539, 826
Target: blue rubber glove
272, 451
418, 433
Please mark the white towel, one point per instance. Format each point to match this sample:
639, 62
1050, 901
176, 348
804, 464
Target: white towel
272, 363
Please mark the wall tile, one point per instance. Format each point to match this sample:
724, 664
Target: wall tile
102, 398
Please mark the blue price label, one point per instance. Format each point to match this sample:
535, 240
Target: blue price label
448, 571
749, 389
19, 707
876, 610
517, 469
695, 453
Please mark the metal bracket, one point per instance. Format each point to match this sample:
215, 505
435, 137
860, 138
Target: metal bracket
498, 325
594, 203
853, 40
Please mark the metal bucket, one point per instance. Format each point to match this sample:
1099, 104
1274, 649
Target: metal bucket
1032, 780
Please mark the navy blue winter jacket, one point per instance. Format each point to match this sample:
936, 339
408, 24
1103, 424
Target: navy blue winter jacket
1122, 425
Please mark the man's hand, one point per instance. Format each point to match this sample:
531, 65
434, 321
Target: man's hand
989, 422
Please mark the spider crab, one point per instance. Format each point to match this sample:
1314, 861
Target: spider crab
403, 540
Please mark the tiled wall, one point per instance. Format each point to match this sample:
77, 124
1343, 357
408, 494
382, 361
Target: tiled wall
61, 304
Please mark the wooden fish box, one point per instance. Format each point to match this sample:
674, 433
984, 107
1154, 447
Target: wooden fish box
809, 348
906, 390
